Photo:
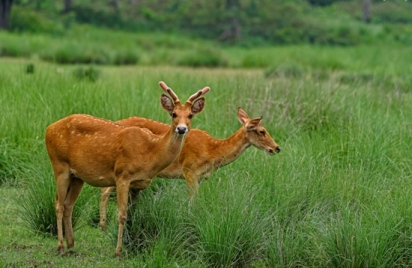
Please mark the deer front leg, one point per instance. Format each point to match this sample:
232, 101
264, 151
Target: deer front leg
122, 189
75, 188
104, 199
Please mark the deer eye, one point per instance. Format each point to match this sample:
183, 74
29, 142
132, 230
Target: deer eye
262, 132
190, 116
174, 115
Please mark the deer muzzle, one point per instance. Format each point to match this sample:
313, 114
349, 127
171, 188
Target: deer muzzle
181, 130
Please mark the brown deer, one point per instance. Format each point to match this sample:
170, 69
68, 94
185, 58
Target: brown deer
201, 154
83, 148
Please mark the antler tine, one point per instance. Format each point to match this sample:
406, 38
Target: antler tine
198, 94
169, 91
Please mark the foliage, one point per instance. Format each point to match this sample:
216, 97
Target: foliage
338, 194
27, 20
203, 57
90, 73
30, 68
248, 22
37, 206
392, 12
323, 2
13, 162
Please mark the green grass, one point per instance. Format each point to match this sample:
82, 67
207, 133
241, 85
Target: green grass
338, 194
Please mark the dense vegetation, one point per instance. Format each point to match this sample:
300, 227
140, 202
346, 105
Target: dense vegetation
338, 195
246, 22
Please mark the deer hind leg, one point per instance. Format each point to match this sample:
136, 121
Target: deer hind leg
104, 199
192, 181
75, 188
62, 176
122, 191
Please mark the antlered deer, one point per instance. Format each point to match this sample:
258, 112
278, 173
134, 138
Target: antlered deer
83, 148
202, 154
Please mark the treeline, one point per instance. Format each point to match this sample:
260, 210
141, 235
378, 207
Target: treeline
325, 22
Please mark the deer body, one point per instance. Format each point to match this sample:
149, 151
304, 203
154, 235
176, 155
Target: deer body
202, 154
117, 146
83, 148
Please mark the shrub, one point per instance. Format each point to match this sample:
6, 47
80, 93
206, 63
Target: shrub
126, 57
37, 206
255, 61
26, 20
12, 49
392, 12
90, 73
154, 218
30, 68
204, 57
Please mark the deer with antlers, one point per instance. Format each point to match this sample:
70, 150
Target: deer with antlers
202, 154
83, 148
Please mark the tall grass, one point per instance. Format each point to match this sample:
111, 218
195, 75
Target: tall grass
338, 194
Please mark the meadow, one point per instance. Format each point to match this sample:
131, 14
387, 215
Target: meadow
337, 195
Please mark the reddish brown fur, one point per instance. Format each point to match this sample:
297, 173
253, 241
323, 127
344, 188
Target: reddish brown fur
202, 154
83, 148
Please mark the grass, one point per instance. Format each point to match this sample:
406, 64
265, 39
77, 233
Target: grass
338, 194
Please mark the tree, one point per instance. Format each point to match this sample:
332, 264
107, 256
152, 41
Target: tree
366, 10
67, 6
233, 31
5, 9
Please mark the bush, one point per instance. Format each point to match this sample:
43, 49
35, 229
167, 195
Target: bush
38, 210
90, 73
30, 68
26, 20
392, 12
126, 57
204, 57
71, 53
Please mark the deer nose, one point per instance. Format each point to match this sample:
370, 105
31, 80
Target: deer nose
181, 130
277, 149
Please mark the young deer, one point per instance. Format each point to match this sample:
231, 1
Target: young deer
201, 154
83, 148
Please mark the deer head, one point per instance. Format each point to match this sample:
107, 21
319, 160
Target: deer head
182, 114
256, 134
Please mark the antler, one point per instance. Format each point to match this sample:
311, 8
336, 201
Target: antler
169, 91
198, 94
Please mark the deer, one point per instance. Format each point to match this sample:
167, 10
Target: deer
87, 149
201, 154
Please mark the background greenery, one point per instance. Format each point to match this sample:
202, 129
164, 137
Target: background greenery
334, 92
337, 195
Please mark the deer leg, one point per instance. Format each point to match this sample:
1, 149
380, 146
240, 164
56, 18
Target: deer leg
75, 188
62, 175
122, 190
134, 193
104, 199
192, 182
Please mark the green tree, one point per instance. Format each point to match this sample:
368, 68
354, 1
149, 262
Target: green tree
5, 9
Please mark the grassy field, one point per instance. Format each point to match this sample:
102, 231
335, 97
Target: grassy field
338, 195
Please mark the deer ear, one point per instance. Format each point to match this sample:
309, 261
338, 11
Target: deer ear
253, 124
167, 103
242, 116
198, 105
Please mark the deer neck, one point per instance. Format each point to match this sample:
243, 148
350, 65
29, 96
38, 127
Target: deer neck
229, 149
170, 145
